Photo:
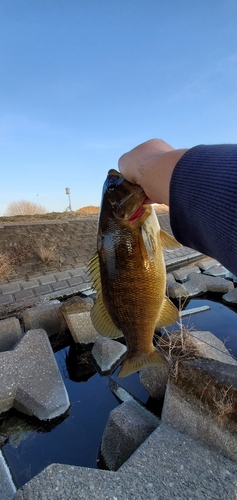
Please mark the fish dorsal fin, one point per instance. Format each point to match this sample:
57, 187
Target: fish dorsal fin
168, 314
99, 315
168, 242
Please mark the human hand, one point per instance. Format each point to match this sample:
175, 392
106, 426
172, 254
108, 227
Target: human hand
151, 166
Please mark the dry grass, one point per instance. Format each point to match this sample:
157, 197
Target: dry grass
220, 399
176, 346
5, 266
46, 254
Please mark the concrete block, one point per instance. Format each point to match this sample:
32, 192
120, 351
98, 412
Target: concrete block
199, 284
128, 426
76, 312
176, 290
202, 402
168, 465
182, 274
30, 380
107, 354
210, 347
216, 270
230, 297
155, 379
207, 263
46, 316
7, 487
10, 333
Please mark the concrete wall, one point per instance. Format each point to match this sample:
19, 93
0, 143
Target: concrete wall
25, 248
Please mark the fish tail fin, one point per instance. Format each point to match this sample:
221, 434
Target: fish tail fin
132, 365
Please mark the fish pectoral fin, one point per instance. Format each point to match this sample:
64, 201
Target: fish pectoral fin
149, 242
168, 314
168, 242
133, 365
102, 321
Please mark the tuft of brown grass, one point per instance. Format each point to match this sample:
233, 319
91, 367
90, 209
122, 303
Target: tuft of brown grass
176, 346
221, 400
46, 254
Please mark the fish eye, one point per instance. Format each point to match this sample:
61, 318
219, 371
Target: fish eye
112, 187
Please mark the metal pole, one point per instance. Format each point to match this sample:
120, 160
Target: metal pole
69, 208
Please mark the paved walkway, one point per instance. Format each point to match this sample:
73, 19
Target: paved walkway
62, 284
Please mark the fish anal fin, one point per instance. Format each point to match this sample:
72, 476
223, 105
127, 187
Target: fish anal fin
133, 365
102, 321
168, 242
168, 314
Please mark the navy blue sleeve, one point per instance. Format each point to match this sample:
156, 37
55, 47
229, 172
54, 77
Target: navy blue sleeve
203, 202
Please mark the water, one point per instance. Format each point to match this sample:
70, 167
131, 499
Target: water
219, 319
76, 438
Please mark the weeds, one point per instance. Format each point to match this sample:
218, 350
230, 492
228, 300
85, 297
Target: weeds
46, 254
221, 400
176, 346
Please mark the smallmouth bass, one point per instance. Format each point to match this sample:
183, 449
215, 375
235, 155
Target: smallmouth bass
128, 273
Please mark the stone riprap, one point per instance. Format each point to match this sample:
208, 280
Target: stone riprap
77, 482
154, 379
128, 426
7, 487
30, 380
202, 402
76, 312
199, 284
44, 316
167, 465
230, 297
209, 346
107, 354
10, 333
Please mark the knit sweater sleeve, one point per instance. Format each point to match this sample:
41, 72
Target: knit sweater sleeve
203, 202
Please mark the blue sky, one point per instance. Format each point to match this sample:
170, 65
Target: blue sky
83, 81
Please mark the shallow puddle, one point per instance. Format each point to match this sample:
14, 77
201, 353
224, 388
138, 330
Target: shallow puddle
76, 439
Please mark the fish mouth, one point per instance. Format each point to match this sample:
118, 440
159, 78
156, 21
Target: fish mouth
140, 211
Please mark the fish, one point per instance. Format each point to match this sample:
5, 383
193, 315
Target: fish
128, 273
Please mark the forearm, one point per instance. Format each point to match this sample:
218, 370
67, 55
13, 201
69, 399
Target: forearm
203, 202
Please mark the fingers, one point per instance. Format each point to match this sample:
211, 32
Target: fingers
134, 163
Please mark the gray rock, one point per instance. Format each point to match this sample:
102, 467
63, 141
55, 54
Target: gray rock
107, 354
7, 487
10, 333
210, 347
230, 297
231, 276
120, 393
202, 402
154, 379
198, 284
182, 274
217, 270
207, 263
176, 290
76, 312
168, 465
128, 426
46, 316
30, 379
170, 277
